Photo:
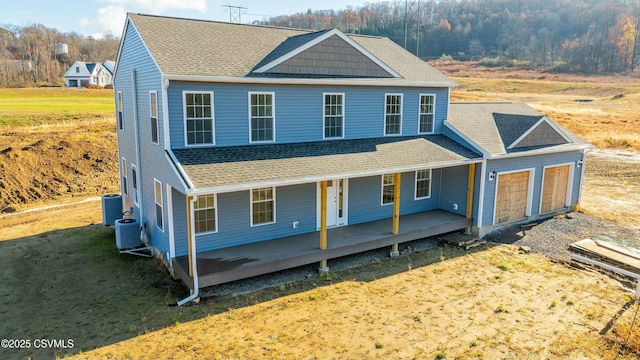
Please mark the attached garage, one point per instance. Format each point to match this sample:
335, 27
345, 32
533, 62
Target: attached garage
512, 196
555, 188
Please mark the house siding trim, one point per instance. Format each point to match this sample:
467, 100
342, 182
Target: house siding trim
304, 81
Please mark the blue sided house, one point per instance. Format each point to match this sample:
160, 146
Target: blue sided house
250, 149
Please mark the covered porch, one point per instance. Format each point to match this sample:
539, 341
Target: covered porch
244, 261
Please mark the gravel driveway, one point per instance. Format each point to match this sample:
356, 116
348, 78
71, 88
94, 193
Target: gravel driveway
552, 236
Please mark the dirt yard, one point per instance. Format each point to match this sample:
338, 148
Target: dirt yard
56, 163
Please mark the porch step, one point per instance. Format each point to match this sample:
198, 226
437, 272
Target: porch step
465, 242
474, 243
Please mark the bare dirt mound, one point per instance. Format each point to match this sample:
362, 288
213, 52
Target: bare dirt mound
39, 165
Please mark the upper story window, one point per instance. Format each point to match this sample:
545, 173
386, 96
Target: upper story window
153, 104
333, 116
77, 69
425, 117
261, 119
393, 114
423, 184
388, 188
120, 111
198, 110
205, 214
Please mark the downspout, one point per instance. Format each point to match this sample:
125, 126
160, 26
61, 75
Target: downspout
138, 193
193, 266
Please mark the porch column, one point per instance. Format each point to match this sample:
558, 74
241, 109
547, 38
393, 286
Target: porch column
396, 211
323, 224
470, 186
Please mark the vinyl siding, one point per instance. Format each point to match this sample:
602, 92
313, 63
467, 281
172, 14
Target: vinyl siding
537, 163
135, 62
454, 189
299, 111
293, 203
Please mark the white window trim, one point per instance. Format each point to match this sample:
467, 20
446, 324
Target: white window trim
415, 190
125, 179
382, 188
157, 117
273, 188
184, 118
120, 110
384, 120
134, 181
155, 201
215, 212
324, 123
273, 115
434, 114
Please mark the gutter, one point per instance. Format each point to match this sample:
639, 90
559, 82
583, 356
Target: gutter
386, 82
192, 253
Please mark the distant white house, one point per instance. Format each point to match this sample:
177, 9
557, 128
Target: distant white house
82, 73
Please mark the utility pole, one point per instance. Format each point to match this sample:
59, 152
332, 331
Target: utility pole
418, 32
235, 13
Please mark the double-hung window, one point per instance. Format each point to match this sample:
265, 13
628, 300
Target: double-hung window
120, 111
159, 208
261, 119
198, 110
333, 115
205, 214
393, 114
263, 206
388, 188
153, 104
423, 184
425, 117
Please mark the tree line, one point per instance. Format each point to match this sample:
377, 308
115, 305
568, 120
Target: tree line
572, 35
588, 36
28, 55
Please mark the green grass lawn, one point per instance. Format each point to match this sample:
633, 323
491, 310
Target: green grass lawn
38, 106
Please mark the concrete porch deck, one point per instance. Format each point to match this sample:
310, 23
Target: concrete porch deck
244, 261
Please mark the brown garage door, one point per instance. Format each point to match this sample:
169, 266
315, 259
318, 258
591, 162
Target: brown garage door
511, 203
554, 191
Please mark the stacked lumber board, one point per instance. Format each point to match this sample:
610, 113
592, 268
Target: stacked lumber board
608, 253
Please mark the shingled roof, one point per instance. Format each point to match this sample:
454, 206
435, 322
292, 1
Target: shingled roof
226, 167
219, 49
495, 127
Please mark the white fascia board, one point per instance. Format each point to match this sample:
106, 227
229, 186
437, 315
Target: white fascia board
545, 151
542, 119
310, 81
320, 39
314, 179
179, 171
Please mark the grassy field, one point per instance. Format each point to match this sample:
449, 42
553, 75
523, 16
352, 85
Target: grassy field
40, 106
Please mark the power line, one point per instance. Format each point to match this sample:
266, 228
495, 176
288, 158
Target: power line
235, 13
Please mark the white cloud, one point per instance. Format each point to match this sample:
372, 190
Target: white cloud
111, 17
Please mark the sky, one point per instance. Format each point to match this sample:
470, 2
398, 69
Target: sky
99, 17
